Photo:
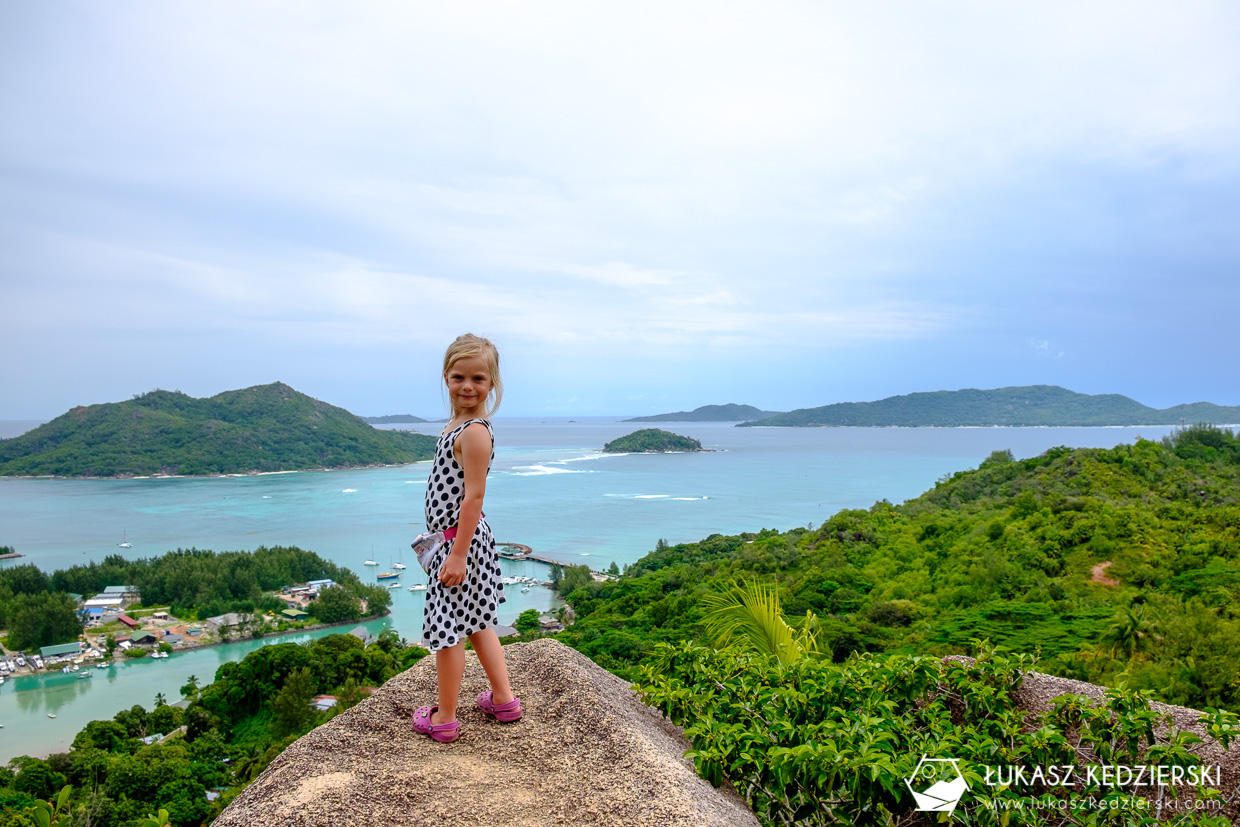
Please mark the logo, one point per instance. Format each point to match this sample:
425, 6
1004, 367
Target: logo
937, 784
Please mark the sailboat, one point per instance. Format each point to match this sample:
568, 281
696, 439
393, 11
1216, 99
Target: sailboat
371, 562
124, 543
401, 565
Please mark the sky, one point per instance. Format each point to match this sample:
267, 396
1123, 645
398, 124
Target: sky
648, 207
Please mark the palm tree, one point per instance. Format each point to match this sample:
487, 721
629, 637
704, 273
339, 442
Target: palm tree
751, 614
1129, 633
160, 700
190, 690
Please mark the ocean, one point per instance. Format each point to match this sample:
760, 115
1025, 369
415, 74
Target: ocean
551, 488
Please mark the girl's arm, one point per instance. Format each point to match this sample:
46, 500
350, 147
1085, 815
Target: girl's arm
473, 452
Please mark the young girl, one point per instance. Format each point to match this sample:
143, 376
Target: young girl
462, 600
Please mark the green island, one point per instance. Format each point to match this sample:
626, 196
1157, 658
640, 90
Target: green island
652, 441
392, 419
730, 412
1034, 405
804, 665
261, 429
190, 586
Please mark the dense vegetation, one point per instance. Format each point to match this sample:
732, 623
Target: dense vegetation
37, 610
810, 742
1014, 551
652, 440
234, 727
1022, 406
263, 428
708, 413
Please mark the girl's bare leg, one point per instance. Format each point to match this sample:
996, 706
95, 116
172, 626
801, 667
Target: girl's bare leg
449, 670
491, 656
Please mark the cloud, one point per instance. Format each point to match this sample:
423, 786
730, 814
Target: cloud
313, 181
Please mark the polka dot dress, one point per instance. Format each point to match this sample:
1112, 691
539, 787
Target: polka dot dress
455, 612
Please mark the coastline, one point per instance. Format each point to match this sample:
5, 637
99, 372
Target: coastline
235, 475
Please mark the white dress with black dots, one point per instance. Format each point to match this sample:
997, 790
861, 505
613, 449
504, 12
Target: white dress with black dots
455, 612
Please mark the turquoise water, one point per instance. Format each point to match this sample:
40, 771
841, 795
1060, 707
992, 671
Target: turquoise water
551, 488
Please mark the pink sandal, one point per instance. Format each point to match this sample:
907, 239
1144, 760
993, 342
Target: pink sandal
504, 713
444, 733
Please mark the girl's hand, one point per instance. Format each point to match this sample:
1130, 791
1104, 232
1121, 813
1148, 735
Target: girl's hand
452, 572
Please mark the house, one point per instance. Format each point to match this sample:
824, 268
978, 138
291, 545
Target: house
146, 639
225, 623
172, 639
549, 623
60, 649
104, 603
295, 614
128, 621
323, 702
127, 594
504, 631
364, 636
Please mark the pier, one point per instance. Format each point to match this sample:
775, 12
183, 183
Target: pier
527, 553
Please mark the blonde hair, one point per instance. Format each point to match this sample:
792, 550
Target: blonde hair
469, 345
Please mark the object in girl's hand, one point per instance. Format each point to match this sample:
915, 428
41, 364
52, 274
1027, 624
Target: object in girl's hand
425, 546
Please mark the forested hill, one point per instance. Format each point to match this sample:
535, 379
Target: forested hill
708, 413
1032, 405
262, 428
1110, 565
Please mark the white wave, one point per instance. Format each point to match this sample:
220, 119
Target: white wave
542, 470
266, 496
651, 496
349, 491
586, 458
689, 499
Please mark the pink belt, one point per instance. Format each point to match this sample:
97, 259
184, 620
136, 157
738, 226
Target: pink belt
449, 534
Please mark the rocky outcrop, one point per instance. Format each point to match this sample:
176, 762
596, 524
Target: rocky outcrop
587, 752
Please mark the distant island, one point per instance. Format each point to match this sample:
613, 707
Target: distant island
652, 441
708, 413
264, 428
392, 419
1029, 406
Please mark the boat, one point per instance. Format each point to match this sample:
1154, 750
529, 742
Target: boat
387, 575
370, 563
86, 675
526, 589
51, 714
124, 543
394, 586
418, 587
400, 566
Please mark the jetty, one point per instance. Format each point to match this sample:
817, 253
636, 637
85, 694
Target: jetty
524, 552
11, 555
